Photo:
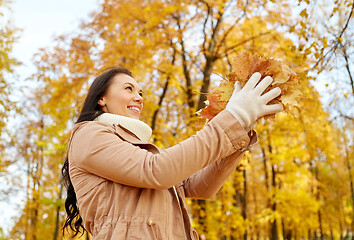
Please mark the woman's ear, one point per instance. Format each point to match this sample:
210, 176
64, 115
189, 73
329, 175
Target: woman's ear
101, 102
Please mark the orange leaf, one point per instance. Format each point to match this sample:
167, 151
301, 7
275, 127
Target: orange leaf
243, 66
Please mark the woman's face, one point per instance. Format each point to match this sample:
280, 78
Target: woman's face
123, 97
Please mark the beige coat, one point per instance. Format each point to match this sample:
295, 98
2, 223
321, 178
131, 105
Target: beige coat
128, 189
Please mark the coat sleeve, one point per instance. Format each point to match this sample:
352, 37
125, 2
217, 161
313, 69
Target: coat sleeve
207, 182
96, 149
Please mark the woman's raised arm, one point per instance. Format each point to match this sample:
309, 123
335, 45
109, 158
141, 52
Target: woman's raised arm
96, 149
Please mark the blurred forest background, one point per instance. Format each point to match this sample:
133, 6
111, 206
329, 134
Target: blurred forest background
296, 183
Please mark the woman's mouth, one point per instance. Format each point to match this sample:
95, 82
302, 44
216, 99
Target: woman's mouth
134, 109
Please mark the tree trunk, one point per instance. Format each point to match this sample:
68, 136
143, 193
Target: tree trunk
256, 212
210, 56
350, 180
202, 218
331, 230
36, 189
287, 233
265, 169
340, 229
320, 223
310, 235
244, 201
28, 200
206, 82
186, 72
274, 232
318, 198
56, 231
274, 206
266, 176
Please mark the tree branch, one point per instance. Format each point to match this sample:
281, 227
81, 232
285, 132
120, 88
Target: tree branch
232, 48
334, 48
154, 117
185, 68
346, 57
210, 57
204, 26
227, 32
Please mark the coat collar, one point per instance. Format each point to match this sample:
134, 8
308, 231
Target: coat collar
127, 135
140, 129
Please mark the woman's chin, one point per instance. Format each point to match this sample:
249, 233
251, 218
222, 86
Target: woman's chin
133, 115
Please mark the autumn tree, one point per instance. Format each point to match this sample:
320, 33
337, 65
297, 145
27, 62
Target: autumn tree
173, 47
8, 35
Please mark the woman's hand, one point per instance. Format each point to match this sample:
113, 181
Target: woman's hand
248, 104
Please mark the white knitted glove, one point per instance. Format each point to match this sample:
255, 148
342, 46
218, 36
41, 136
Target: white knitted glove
236, 90
248, 104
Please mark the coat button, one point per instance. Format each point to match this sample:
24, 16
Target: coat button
150, 222
243, 143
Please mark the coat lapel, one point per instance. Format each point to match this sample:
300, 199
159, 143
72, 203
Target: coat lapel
130, 137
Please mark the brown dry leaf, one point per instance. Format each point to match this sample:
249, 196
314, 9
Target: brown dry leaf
243, 66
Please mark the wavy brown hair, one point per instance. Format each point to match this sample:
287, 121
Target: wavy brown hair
90, 110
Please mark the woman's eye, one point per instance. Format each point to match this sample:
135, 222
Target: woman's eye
129, 87
141, 94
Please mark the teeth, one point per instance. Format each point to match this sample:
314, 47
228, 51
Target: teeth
135, 108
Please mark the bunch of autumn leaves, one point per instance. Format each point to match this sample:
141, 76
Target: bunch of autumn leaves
243, 66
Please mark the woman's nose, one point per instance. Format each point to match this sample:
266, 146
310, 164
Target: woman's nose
139, 98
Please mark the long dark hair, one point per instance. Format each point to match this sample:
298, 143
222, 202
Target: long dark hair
90, 110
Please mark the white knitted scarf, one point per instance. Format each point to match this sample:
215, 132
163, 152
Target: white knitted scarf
139, 128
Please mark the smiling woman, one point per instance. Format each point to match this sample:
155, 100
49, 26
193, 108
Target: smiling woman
126, 187
123, 97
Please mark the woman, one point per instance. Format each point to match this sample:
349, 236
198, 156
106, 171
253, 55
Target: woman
124, 186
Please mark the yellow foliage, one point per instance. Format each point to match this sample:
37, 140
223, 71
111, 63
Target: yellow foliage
297, 170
